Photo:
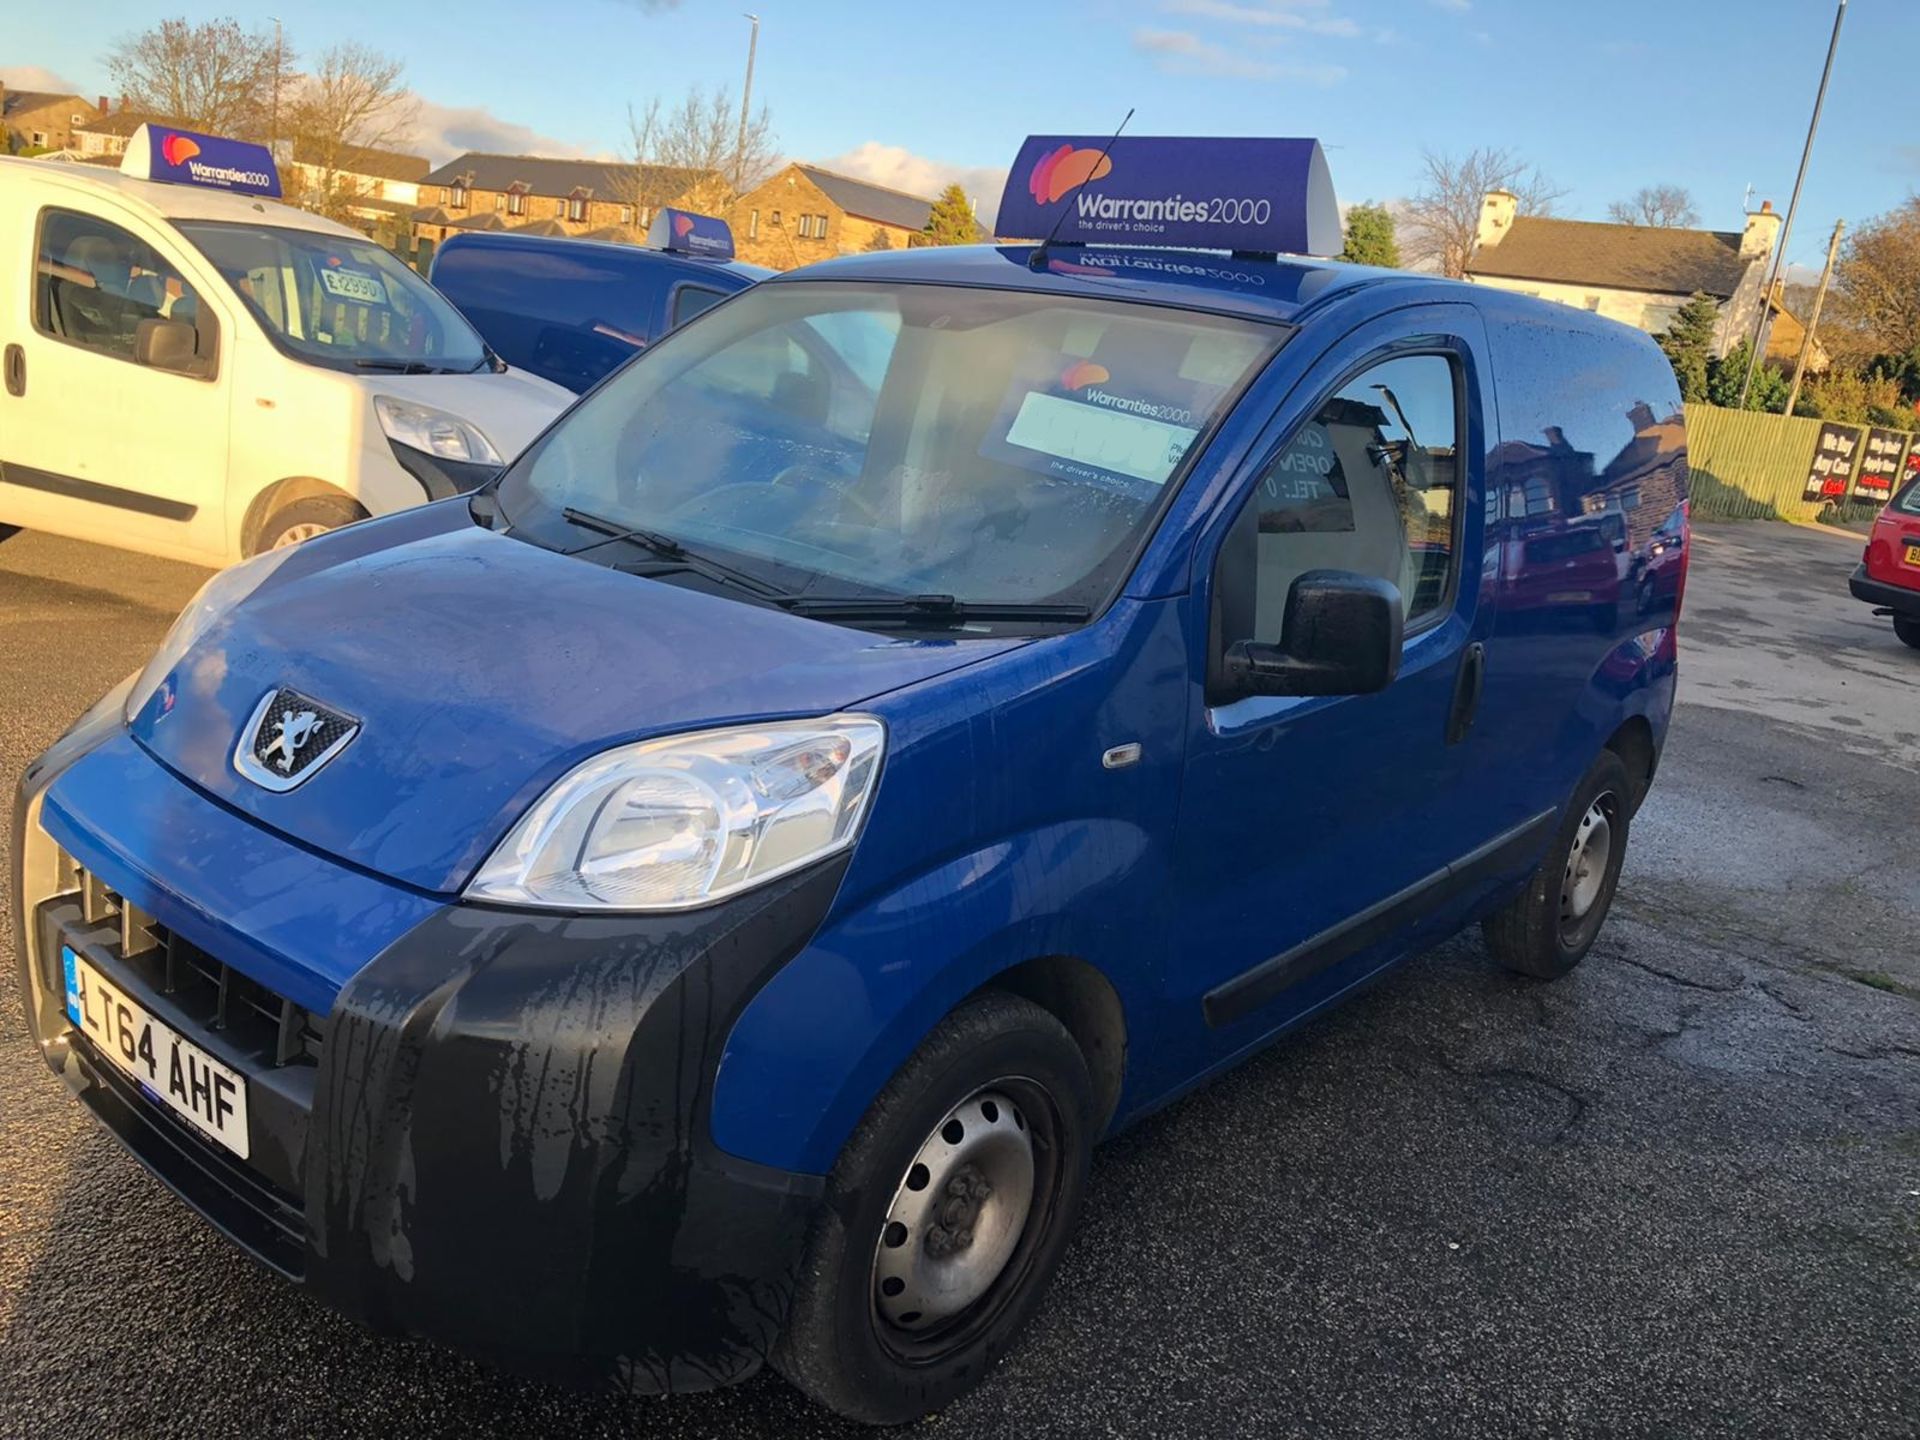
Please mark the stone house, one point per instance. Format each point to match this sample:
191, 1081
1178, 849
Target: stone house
1638, 274
804, 213
480, 191
378, 186
41, 120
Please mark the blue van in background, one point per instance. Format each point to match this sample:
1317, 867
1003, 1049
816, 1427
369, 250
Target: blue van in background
571, 311
698, 901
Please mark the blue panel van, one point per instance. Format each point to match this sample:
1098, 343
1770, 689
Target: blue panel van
698, 901
571, 311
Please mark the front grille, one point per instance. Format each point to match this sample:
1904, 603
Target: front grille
267, 1027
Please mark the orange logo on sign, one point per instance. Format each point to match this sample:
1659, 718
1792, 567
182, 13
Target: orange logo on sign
1066, 169
1083, 373
178, 149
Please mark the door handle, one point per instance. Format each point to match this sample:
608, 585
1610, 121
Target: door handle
1466, 692
16, 367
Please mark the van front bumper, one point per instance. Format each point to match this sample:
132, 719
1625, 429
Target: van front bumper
498, 1136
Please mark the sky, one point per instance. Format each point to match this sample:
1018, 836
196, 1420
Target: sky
1713, 95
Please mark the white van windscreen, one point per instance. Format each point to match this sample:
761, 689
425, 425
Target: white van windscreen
345, 303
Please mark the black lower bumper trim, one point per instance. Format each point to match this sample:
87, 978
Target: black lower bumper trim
1901, 601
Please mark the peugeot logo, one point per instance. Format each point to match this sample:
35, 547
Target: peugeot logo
289, 737
292, 731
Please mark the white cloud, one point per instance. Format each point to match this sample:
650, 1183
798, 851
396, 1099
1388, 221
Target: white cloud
36, 77
1454, 5
1181, 52
441, 132
901, 169
1276, 14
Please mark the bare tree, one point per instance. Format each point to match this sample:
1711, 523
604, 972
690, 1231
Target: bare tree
1876, 298
351, 102
1444, 215
1665, 207
212, 75
698, 138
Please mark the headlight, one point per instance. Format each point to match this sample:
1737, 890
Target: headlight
682, 821
434, 431
214, 600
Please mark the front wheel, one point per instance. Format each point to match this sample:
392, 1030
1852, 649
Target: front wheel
304, 519
1908, 631
1547, 929
944, 1217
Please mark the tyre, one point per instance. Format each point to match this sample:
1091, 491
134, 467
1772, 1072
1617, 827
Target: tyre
1908, 631
944, 1217
304, 519
1548, 929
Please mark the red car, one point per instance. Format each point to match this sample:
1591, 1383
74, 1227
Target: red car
1888, 577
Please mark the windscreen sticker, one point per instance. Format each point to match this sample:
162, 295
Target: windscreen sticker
1120, 421
354, 285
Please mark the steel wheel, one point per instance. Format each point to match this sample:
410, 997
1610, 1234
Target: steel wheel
294, 534
957, 1215
1585, 876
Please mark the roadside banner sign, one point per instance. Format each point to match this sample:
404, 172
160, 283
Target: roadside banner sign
1254, 195
1882, 465
182, 157
1830, 472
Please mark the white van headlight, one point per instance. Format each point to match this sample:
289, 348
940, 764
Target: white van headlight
678, 822
434, 431
212, 602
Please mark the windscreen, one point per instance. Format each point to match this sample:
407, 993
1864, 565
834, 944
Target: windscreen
994, 446
337, 301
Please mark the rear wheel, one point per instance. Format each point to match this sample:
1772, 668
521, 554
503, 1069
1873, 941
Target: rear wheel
944, 1217
1909, 631
1548, 929
304, 519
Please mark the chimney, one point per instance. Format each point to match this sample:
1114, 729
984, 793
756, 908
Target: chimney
1763, 229
102, 106
1497, 209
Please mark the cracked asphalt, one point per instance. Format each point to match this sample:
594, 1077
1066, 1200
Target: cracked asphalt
1677, 1193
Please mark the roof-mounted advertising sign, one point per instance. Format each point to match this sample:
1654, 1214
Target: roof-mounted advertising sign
1207, 194
685, 233
181, 157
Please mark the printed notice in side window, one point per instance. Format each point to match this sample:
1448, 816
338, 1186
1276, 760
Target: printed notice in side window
1305, 489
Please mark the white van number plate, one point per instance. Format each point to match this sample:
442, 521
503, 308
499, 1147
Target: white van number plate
208, 1095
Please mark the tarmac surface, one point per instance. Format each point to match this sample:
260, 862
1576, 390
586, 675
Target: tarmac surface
1677, 1193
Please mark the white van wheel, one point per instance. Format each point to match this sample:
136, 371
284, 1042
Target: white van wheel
304, 519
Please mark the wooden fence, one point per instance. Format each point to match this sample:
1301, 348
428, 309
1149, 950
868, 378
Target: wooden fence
1747, 465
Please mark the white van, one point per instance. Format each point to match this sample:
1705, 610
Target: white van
203, 373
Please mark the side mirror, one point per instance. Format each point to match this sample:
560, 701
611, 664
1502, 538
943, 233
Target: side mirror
166, 345
1341, 636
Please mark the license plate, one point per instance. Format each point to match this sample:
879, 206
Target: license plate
1913, 554
180, 1075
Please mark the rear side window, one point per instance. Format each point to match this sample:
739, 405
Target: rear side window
95, 285
1908, 500
690, 300
1369, 485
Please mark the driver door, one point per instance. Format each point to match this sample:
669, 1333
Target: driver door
98, 443
1317, 834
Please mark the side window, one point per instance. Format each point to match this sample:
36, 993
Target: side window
95, 285
1368, 485
689, 301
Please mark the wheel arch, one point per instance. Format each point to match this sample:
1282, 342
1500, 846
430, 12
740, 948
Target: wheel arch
281, 494
1633, 743
1081, 998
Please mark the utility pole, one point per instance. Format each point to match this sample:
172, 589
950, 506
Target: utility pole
1786, 229
746, 98
1819, 299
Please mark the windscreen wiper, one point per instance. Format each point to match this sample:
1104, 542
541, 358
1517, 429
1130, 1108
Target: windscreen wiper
933, 609
399, 367
675, 553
